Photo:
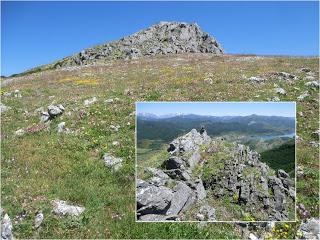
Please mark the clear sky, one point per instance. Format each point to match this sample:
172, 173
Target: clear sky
35, 33
285, 109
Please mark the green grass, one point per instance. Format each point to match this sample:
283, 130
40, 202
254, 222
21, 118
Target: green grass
282, 157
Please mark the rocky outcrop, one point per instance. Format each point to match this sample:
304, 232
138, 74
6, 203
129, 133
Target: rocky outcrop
178, 186
249, 182
158, 202
160, 39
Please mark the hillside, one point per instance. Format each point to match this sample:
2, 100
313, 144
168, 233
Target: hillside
40, 164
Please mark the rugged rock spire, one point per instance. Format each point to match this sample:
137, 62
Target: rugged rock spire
160, 39
237, 174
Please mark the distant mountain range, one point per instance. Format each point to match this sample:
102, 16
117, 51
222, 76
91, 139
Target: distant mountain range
167, 127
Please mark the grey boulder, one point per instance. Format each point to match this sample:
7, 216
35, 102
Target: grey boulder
112, 162
6, 228
153, 200
182, 198
62, 208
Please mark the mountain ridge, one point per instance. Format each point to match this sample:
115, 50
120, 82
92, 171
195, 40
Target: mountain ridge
159, 39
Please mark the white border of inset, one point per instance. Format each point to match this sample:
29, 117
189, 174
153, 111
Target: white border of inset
194, 221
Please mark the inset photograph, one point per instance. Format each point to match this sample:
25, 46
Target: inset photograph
215, 161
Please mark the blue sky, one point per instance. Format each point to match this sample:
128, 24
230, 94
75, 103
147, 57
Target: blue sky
35, 33
285, 109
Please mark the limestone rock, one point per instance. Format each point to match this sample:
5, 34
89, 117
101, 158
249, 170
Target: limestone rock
4, 108
310, 229
62, 127
200, 190
38, 220
90, 101
303, 96
182, 198
62, 208
55, 110
6, 228
20, 132
152, 199
256, 79
112, 162
312, 84
208, 212
280, 91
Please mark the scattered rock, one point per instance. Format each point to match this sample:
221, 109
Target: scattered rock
20, 132
314, 144
208, 212
256, 79
110, 100
182, 198
45, 117
253, 237
62, 208
7, 94
62, 128
4, 108
310, 229
285, 76
17, 93
6, 228
312, 84
38, 220
280, 91
305, 70
90, 101
128, 92
274, 99
304, 95
55, 111
310, 78
112, 162
115, 128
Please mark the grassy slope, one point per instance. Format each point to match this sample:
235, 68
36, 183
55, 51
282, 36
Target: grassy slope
40, 167
281, 157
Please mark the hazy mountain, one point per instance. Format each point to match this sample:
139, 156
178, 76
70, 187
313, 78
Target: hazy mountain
166, 128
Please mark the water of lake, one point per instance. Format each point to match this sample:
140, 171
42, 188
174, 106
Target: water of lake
289, 135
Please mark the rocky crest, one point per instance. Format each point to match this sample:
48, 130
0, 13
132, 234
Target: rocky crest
160, 39
178, 185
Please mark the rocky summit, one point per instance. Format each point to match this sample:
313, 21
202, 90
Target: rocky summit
201, 175
160, 39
